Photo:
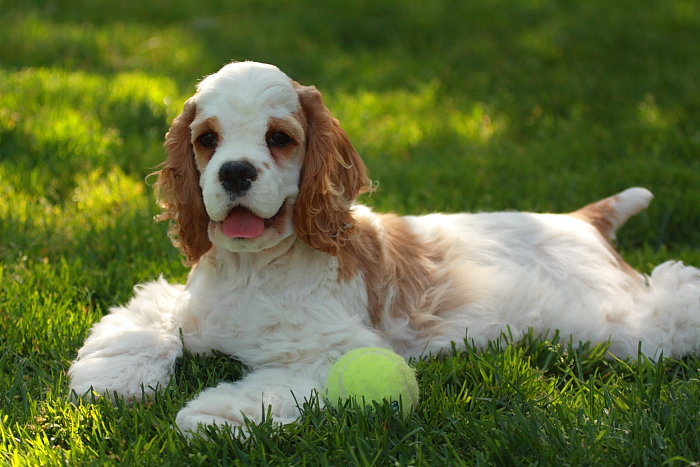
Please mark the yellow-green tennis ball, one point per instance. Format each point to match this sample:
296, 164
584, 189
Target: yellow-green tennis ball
375, 374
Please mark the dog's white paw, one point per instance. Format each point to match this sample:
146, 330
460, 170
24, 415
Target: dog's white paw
263, 394
191, 420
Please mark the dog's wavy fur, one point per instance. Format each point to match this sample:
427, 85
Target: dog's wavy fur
288, 272
178, 191
332, 177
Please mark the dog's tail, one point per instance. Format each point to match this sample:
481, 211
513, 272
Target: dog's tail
609, 214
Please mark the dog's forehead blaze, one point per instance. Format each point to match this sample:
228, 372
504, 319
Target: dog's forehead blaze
249, 93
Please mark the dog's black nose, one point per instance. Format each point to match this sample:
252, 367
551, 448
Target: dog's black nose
237, 177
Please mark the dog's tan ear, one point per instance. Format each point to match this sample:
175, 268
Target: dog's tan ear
332, 177
178, 191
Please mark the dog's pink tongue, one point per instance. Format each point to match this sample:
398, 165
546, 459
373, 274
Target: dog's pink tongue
242, 223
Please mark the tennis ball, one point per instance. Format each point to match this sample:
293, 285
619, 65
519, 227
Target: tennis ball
373, 373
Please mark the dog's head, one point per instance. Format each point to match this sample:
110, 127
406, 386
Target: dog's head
255, 158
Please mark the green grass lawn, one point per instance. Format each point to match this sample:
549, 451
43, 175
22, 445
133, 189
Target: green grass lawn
455, 105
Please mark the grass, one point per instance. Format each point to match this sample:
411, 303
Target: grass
490, 104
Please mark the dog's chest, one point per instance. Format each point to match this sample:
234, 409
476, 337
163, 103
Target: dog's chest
283, 314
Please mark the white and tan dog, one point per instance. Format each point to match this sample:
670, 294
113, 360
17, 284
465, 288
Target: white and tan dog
288, 272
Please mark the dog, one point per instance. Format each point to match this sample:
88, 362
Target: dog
288, 272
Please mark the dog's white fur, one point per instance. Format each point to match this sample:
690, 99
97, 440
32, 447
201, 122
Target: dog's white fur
327, 275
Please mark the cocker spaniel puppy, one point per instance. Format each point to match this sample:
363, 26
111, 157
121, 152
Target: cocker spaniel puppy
288, 272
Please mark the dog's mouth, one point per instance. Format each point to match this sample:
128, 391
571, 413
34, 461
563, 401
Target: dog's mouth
242, 223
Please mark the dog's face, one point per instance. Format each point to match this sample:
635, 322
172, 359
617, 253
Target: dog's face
249, 141
253, 159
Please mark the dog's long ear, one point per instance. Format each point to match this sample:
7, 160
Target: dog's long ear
332, 177
178, 191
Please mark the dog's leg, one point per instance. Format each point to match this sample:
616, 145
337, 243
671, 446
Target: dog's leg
278, 390
133, 349
671, 320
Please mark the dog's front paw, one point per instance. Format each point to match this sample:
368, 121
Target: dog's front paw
264, 393
126, 365
194, 418
226, 405
119, 377
133, 349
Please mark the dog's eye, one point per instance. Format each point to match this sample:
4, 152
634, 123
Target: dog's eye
208, 140
278, 139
